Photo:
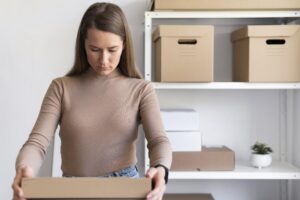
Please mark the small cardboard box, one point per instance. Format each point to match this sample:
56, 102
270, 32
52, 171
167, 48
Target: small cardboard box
225, 4
184, 53
86, 188
209, 159
180, 119
185, 140
266, 53
188, 197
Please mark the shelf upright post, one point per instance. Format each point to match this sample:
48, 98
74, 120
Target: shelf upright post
290, 134
148, 46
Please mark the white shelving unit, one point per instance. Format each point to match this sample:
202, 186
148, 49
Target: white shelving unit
150, 16
279, 170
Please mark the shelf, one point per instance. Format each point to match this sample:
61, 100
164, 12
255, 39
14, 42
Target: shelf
226, 85
222, 14
278, 170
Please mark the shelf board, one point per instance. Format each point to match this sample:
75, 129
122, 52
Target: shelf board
278, 170
223, 14
226, 85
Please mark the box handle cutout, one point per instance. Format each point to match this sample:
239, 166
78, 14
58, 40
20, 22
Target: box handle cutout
275, 42
187, 41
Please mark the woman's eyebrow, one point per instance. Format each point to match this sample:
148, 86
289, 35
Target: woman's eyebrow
112, 47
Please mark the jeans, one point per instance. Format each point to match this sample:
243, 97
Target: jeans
130, 172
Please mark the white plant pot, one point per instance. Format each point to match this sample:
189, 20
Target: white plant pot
260, 160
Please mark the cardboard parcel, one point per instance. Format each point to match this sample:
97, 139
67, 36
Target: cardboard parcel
86, 188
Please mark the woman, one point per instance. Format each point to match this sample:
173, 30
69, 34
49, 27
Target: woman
99, 105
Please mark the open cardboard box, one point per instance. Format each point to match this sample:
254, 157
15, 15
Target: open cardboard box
86, 188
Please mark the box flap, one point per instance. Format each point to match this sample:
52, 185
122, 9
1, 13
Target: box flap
86, 187
265, 31
181, 31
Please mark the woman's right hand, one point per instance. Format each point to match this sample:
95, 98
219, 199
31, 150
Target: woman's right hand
22, 172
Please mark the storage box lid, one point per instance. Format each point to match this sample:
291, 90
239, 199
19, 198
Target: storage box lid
265, 31
182, 31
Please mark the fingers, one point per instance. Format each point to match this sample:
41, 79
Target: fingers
158, 177
16, 186
157, 193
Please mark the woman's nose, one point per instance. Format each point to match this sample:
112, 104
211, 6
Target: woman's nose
104, 57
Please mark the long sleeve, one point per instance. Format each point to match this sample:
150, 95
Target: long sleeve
33, 151
159, 146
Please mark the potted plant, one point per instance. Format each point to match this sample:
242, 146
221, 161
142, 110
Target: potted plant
261, 155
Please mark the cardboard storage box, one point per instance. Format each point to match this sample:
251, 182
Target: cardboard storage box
225, 4
185, 140
266, 53
184, 53
86, 188
209, 159
188, 197
180, 119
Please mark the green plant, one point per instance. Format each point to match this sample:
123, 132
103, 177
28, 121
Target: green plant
261, 148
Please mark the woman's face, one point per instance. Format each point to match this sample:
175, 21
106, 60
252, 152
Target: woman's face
103, 50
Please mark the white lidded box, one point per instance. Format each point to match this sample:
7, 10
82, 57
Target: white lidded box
180, 119
185, 140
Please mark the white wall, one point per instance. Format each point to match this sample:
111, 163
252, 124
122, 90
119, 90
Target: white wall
296, 186
37, 44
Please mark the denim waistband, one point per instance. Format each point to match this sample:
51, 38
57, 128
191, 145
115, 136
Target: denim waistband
131, 172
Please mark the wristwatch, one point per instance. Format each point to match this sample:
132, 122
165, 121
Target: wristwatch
166, 172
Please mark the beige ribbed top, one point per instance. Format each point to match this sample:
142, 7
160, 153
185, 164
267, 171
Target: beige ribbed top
98, 118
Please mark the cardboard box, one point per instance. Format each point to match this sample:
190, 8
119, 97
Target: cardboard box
180, 119
266, 53
188, 197
185, 140
184, 53
225, 4
85, 188
209, 159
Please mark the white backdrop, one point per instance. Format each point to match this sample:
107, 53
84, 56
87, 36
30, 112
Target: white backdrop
37, 41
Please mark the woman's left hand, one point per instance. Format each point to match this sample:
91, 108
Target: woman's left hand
158, 177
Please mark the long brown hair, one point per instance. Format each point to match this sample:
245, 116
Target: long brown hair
110, 18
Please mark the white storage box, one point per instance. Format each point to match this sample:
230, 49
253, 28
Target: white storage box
185, 140
180, 119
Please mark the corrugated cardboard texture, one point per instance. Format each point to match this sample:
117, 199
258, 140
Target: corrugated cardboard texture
209, 159
225, 4
258, 58
86, 188
184, 53
188, 197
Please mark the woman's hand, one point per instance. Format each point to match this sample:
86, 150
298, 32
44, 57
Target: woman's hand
158, 177
23, 172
